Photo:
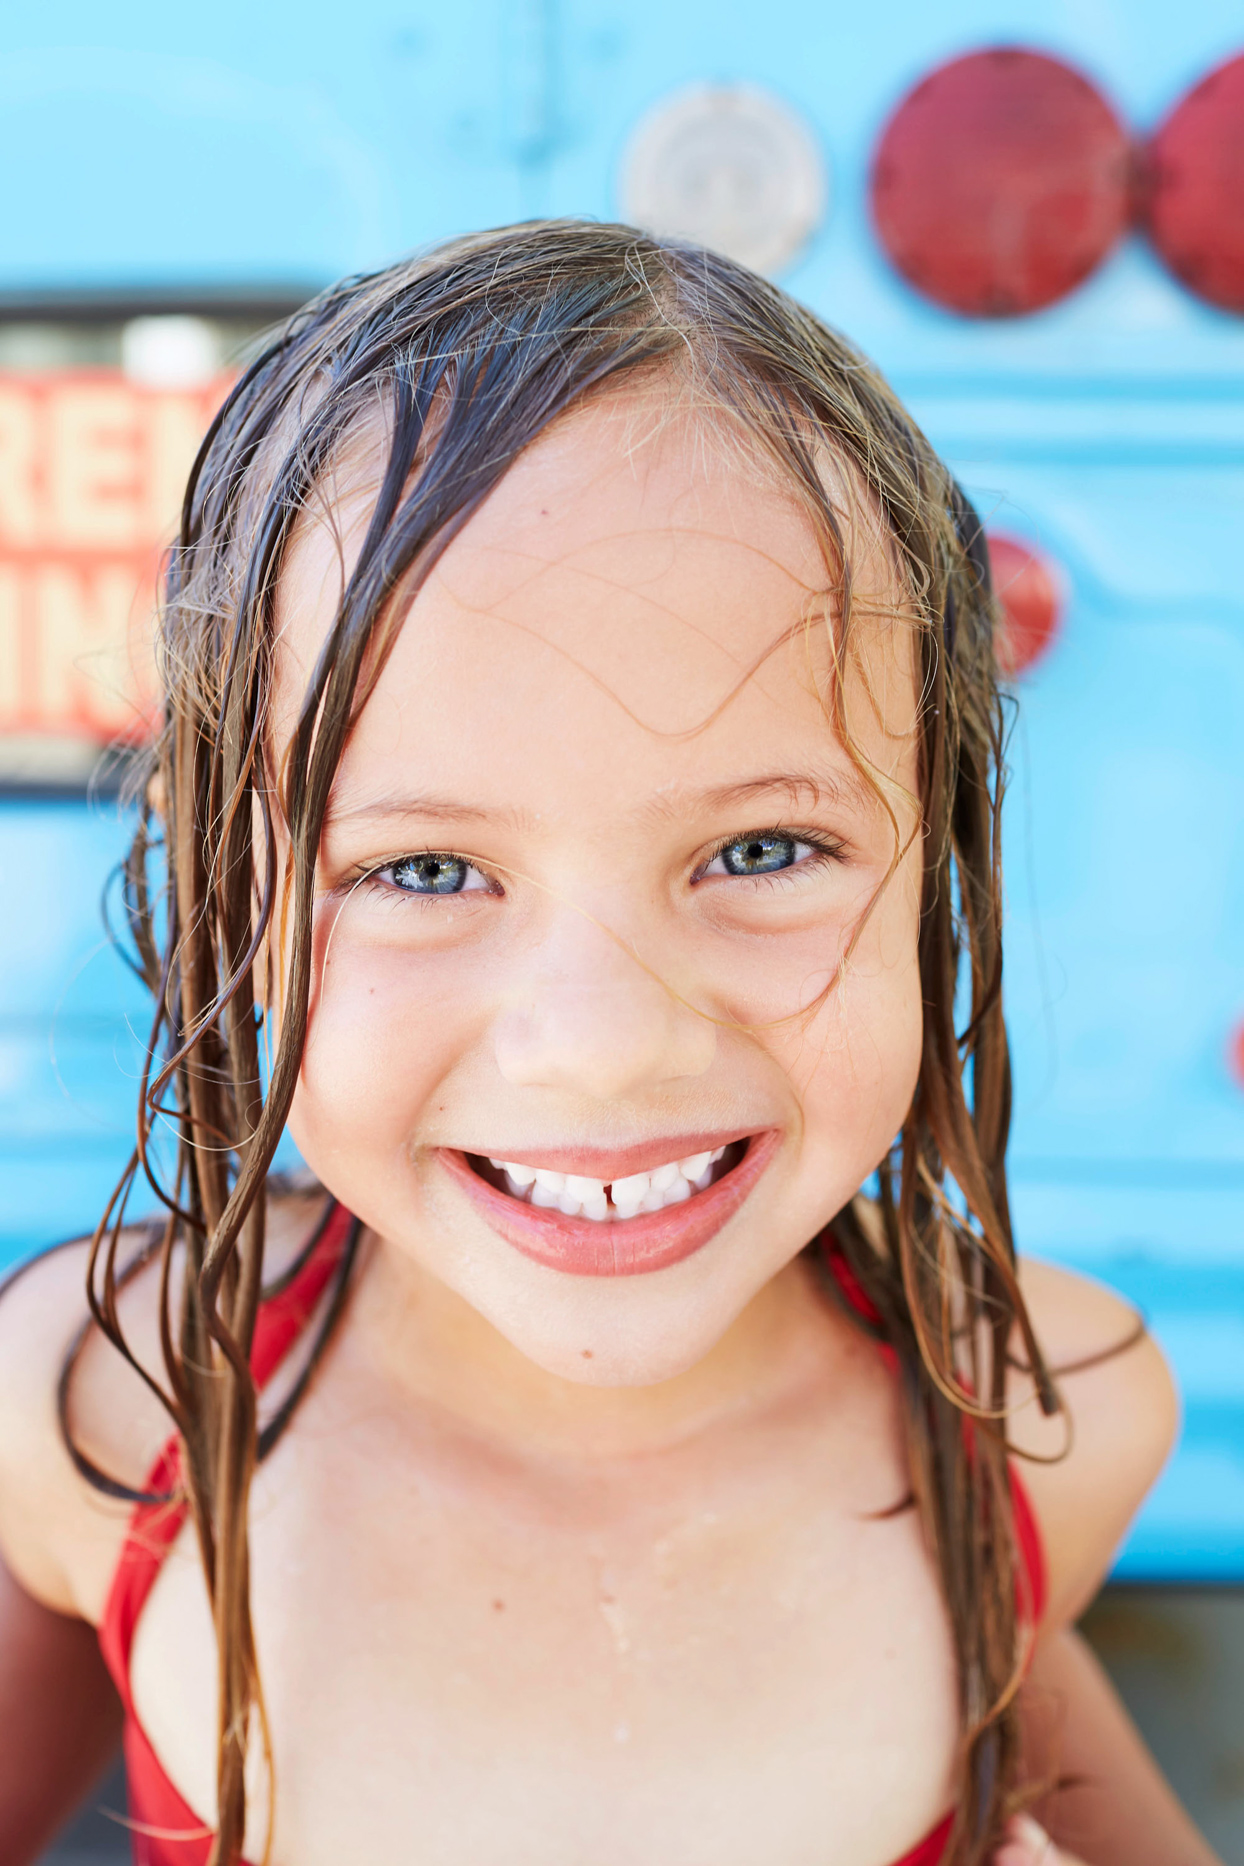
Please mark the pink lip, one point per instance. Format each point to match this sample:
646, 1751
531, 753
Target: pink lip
626, 1247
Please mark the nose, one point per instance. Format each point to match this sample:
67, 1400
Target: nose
590, 1019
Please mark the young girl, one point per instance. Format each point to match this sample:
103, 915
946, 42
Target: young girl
576, 818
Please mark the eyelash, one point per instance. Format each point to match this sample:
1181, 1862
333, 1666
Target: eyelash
823, 849
373, 878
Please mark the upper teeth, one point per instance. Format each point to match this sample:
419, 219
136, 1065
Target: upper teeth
602, 1199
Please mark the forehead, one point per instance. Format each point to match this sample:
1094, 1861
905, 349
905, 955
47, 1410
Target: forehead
642, 601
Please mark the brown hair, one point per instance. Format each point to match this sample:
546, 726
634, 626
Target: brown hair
468, 354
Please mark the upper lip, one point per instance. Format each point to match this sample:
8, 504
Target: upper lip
610, 1163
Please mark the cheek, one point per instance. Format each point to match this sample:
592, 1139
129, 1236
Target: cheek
854, 1060
382, 1035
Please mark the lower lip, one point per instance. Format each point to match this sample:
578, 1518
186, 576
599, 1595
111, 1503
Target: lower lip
624, 1246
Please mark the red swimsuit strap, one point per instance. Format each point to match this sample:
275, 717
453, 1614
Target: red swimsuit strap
155, 1526
169, 1835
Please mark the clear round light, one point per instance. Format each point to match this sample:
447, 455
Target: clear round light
731, 167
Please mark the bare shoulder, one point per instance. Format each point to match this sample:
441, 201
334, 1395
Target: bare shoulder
1119, 1423
60, 1533
43, 1510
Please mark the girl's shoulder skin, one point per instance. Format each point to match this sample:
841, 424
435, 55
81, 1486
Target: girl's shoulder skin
59, 1534
534, 1592
477, 1530
1118, 1428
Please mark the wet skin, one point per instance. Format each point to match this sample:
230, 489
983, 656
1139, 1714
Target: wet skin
621, 666
588, 1551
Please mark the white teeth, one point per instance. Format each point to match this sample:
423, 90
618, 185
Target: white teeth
630, 1191
578, 1196
584, 1189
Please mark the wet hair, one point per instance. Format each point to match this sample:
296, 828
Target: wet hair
454, 363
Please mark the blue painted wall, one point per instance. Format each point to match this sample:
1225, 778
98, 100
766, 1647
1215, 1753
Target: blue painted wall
288, 144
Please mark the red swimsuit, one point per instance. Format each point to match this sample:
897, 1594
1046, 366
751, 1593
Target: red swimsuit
165, 1831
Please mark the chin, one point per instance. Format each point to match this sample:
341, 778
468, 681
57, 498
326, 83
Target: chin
637, 1333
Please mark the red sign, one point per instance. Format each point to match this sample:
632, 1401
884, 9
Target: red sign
92, 471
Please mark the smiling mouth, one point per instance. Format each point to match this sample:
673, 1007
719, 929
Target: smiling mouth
621, 1226
613, 1201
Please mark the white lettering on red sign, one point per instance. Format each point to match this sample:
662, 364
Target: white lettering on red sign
92, 471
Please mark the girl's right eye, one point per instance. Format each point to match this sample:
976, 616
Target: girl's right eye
434, 873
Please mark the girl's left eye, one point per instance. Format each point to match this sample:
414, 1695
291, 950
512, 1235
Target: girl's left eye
765, 853
434, 873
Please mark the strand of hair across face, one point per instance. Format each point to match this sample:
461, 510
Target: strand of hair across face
470, 353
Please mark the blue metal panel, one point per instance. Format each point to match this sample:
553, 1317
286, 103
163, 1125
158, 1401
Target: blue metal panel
286, 143
282, 141
72, 1020
74, 1025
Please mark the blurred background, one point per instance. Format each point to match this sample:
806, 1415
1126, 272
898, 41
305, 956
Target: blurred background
1032, 217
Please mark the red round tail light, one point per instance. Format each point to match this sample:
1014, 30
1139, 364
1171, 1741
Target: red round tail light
1000, 182
1194, 196
1027, 589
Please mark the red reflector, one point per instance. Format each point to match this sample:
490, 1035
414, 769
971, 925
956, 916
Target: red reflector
1195, 192
1000, 182
1027, 589
1235, 1053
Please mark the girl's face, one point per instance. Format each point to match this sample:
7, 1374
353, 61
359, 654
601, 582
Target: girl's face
592, 868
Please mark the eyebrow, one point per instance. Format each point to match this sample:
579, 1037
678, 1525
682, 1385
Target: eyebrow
801, 789
438, 809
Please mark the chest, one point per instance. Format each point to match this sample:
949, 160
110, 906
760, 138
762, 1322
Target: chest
675, 1662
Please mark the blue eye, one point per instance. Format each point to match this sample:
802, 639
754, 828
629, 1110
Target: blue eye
759, 855
432, 874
